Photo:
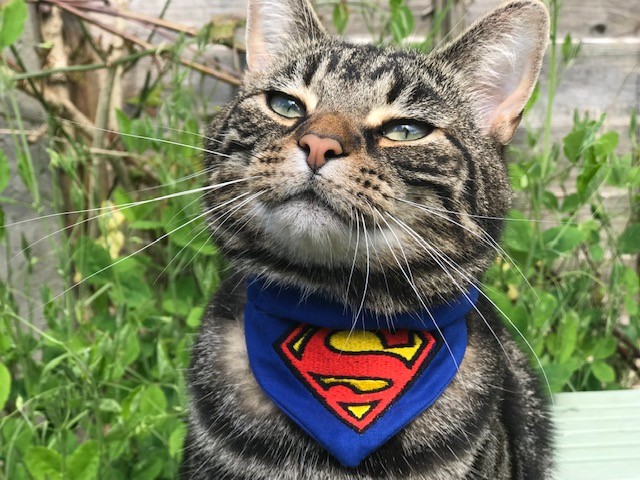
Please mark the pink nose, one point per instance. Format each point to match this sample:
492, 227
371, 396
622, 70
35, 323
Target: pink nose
319, 150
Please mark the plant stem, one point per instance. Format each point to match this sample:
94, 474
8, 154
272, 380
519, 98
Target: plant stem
92, 66
555, 6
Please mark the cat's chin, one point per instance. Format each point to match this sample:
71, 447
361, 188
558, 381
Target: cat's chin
308, 230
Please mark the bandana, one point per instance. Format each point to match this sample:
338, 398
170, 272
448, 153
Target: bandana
351, 386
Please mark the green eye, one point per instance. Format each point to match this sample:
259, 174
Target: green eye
405, 130
285, 105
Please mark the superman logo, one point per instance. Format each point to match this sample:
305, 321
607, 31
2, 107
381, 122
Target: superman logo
357, 376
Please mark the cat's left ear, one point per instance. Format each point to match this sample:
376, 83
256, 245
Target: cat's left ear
274, 26
497, 61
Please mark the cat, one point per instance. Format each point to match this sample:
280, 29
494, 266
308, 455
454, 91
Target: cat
376, 182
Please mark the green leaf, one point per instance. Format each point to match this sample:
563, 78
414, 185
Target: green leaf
518, 234
569, 49
573, 144
153, 401
629, 240
109, 405
606, 144
147, 225
603, 371
195, 316
567, 336
176, 440
84, 462
544, 309
43, 463
596, 252
550, 200
149, 469
25, 171
5, 385
186, 233
563, 238
558, 376
13, 14
90, 258
571, 203
340, 17
127, 347
165, 369
402, 21
131, 349
604, 348
5, 171
131, 289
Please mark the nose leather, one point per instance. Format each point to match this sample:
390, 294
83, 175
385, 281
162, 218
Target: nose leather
320, 150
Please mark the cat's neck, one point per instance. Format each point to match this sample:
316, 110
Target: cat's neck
384, 292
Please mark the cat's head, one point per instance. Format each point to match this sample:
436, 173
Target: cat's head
370, 173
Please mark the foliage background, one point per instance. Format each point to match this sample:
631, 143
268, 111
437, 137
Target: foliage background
92, 365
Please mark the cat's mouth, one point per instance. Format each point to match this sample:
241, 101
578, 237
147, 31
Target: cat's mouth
311, 200
310, 197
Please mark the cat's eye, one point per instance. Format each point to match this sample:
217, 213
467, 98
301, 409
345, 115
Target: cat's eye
405, 130
286, 105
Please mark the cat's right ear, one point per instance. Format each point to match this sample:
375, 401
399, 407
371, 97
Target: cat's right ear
498, 61
276, 25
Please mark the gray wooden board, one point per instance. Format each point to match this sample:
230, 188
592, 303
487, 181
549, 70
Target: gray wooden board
586, 18
598, 435
583, 18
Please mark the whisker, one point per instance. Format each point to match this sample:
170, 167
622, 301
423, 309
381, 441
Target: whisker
111, 208
186, 178
484, 217
437, 256
355, 256
529, 346
424, 306
120, 260
121, 206
155, 139
238, 197
486, 238
366, 278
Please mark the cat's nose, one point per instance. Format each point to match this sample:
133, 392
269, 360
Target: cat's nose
320, 150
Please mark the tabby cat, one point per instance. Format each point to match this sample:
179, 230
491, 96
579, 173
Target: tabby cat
372, 186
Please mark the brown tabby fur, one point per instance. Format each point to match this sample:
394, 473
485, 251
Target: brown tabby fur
388, 226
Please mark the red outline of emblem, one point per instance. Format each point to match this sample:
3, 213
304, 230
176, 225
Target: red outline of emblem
314, 361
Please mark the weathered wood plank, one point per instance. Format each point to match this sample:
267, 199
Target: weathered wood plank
598, 435
603, 79
585, 18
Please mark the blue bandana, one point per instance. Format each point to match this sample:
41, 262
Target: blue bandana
351, 389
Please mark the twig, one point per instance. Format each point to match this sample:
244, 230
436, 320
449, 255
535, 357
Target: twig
158, 22
146, 45
88, 67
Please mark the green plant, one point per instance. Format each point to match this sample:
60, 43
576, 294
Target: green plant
98, 389
571, 288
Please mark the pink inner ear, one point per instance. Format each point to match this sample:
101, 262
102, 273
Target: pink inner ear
506, 116
257, 52
505, 79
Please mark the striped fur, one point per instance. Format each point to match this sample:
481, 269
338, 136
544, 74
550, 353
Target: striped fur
391, 226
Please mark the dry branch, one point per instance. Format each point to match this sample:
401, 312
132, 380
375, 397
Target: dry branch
79, 13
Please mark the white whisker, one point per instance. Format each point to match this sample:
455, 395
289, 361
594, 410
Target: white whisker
121, 206
120, 260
